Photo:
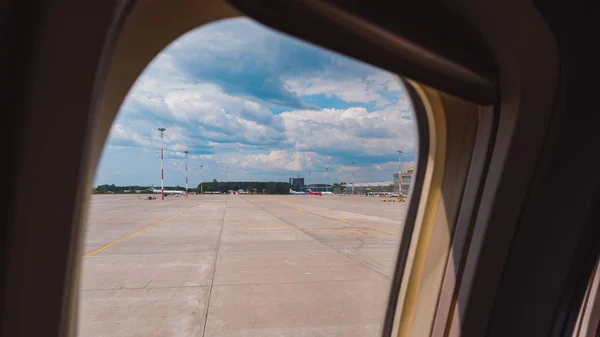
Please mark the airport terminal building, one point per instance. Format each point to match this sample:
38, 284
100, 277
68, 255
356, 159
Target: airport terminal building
363, 188
296, 183
400, 182
405, 182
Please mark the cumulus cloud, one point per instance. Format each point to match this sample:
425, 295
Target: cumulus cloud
277, 161
372, 88
247, 102
242, 57
119, 135
353, 130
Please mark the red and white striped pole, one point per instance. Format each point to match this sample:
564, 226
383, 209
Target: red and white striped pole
162, 171
353, 178
186, 178
399, 172
326, 171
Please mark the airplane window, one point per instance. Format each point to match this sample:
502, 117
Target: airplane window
251, 185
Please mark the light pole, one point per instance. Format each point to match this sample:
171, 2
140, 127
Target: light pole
201, 191
326, 171
162, 172
400, 172
352, 178
186, 177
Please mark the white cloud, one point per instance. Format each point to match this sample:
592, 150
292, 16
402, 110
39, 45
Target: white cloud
119, 133
204, 110
353, 130
276, 161
371, 173
198, 117
232, 37
349, 89
201, 157
235, 134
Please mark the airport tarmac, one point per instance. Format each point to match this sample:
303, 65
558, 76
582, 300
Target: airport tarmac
237, 265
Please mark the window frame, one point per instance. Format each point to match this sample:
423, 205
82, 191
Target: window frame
521, 97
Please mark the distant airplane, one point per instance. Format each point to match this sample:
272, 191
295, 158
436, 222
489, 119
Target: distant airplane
167, 192
314, 193
294, 192
327, 193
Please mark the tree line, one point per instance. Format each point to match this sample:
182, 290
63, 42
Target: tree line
262, 187
134, 189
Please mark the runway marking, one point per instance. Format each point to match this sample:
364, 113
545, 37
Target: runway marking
134, 233
321, 240
343, 220
118, 221
371, 228
253, 225
362, 213
264, 228
331, 230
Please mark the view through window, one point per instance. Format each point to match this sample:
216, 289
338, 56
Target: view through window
297, 162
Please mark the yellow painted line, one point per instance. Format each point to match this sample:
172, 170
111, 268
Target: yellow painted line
120, 221
354, 212
371, 228
332, 230
204, 221
134, 233
255, 225
343, 220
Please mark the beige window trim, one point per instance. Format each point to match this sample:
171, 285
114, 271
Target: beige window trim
453, 125
445, 313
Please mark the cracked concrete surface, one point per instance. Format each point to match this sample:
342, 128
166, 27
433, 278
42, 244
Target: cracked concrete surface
238, 265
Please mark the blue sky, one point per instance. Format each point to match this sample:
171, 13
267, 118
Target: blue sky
249, 103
